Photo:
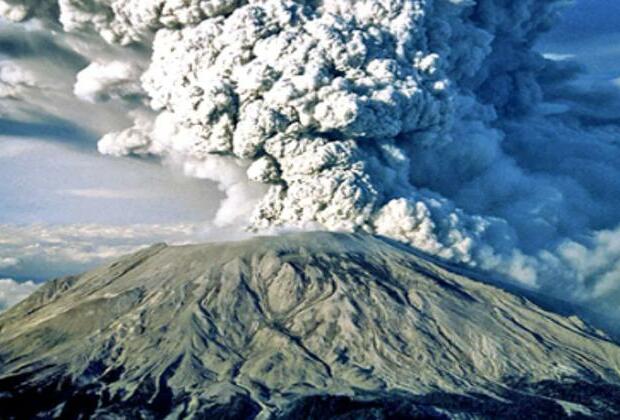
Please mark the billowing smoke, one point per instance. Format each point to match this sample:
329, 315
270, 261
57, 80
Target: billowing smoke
433, 122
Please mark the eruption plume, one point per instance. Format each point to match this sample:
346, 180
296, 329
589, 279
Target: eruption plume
433, 122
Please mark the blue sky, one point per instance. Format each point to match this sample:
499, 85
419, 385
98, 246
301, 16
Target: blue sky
589, 30
44, 181
50, 169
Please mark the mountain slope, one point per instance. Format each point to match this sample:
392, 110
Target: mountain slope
313, 324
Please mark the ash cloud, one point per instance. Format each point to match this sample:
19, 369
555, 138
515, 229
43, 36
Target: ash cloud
102, 81
432, 122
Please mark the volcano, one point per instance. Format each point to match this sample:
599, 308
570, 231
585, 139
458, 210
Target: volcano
308, 325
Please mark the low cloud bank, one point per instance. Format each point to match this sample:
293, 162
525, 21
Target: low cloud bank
13, 292
44, 251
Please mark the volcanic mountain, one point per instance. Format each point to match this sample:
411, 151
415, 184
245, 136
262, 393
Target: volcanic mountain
311, 325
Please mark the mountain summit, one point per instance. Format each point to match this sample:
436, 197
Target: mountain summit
312, 325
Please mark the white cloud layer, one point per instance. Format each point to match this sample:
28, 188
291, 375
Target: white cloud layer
431, 122
8, 262
44, 251
13, 292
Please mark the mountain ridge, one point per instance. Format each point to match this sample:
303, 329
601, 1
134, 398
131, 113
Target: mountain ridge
290, 326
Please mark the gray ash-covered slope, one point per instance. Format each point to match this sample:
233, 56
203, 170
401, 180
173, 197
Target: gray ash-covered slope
313, 325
